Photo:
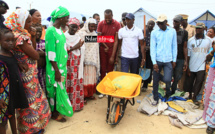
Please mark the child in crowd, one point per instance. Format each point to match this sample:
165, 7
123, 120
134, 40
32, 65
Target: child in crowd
12, 94
41, 64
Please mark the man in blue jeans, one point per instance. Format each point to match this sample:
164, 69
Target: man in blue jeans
181, 63
129, 38
163, 52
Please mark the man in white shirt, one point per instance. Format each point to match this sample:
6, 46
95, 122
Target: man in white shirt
129, 38
198, 48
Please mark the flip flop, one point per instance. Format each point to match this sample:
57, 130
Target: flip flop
85, 102
59, 118
41, 131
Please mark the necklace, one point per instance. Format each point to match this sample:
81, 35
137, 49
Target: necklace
200, 42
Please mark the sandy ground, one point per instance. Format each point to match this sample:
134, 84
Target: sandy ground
91, 120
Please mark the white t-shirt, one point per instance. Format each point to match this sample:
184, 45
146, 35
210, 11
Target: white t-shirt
130, 41
198, 50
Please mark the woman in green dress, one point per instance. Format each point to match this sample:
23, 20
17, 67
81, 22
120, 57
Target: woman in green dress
56, 62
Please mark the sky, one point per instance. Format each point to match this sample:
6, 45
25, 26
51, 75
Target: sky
88, 7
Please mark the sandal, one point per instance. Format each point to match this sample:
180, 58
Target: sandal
59, 118
85, 102
92, 98
209, 130
41, 131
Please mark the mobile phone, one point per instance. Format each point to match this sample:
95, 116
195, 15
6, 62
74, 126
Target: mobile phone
62, 78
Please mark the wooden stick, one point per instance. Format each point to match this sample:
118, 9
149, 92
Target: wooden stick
144, 21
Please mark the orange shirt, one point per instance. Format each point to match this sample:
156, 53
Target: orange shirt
43, 34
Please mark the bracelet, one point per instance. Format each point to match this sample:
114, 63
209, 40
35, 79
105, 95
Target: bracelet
211, 54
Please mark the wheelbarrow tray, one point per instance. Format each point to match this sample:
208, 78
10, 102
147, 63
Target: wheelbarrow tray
112, 75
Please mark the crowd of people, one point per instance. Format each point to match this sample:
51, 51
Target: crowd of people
52, 73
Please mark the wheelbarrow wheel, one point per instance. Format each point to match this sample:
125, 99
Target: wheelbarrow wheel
115, 112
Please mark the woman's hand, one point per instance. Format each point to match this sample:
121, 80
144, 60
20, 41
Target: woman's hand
23, 67
33, 32
57, 76
2, 104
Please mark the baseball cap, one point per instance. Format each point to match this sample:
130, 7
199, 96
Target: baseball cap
178, 18
129, 16
123, 15
4, 4
200, 25
161, 18
185, 17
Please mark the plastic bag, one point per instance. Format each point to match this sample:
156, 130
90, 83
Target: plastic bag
122, 85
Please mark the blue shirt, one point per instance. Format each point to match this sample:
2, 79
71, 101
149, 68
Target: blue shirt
163, 45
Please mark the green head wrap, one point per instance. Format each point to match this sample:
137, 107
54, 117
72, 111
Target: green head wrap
59, 13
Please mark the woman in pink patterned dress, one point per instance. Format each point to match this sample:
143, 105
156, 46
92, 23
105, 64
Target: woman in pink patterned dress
30, 120
74, 80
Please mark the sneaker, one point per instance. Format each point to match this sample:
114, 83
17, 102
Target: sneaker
154, 103
101, 96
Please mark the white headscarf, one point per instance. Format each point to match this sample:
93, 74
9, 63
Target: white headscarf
86, 26
22, 16
71, 41
90, 51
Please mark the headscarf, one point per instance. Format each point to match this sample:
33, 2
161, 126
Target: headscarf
74, 21
59, 13
16, 21
86, 27
91, 52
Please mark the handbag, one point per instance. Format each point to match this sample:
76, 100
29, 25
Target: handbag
144, 72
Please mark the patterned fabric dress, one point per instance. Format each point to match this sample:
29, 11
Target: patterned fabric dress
74, 81
36, 117
42, 70
11, 87
75, 88
4, 91
56, 51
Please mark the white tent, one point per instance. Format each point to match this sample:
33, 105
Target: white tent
139, 14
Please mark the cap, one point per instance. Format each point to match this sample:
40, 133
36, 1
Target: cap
129, 16
123, 15
184, 16
161, 18
152, 19
200, 25
4, 4
178, 18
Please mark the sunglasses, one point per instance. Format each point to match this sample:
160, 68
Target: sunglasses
160, 23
